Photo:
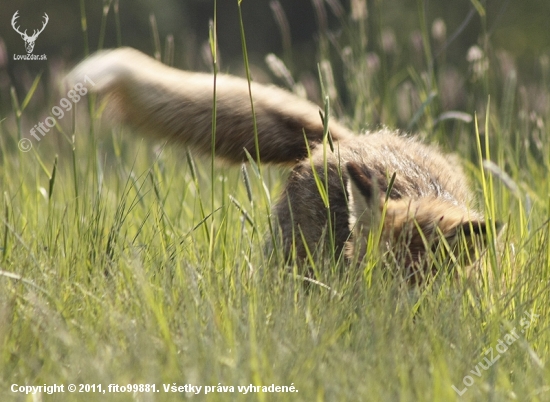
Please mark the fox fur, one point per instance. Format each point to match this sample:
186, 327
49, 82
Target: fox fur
429, 195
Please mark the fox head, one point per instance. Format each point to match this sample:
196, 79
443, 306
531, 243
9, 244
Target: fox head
412, 229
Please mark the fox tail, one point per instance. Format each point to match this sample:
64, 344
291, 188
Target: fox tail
178, 106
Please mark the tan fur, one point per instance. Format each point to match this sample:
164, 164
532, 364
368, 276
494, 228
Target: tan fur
429, 195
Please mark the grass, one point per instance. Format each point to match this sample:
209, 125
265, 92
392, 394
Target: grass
124, 263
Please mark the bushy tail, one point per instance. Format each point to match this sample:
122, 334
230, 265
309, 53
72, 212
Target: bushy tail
177, 105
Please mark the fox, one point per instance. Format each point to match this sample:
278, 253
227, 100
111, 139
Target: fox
384, 182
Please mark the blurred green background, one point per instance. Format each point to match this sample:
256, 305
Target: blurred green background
518, 26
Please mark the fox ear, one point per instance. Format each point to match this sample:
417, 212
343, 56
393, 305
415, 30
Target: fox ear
364, 196
361, 180
471, 228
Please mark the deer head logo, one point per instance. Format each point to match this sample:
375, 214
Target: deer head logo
29, 40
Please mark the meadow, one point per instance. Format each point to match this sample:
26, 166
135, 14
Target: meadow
128, 262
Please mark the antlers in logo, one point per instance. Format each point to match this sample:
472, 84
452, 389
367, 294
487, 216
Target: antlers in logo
29, 40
